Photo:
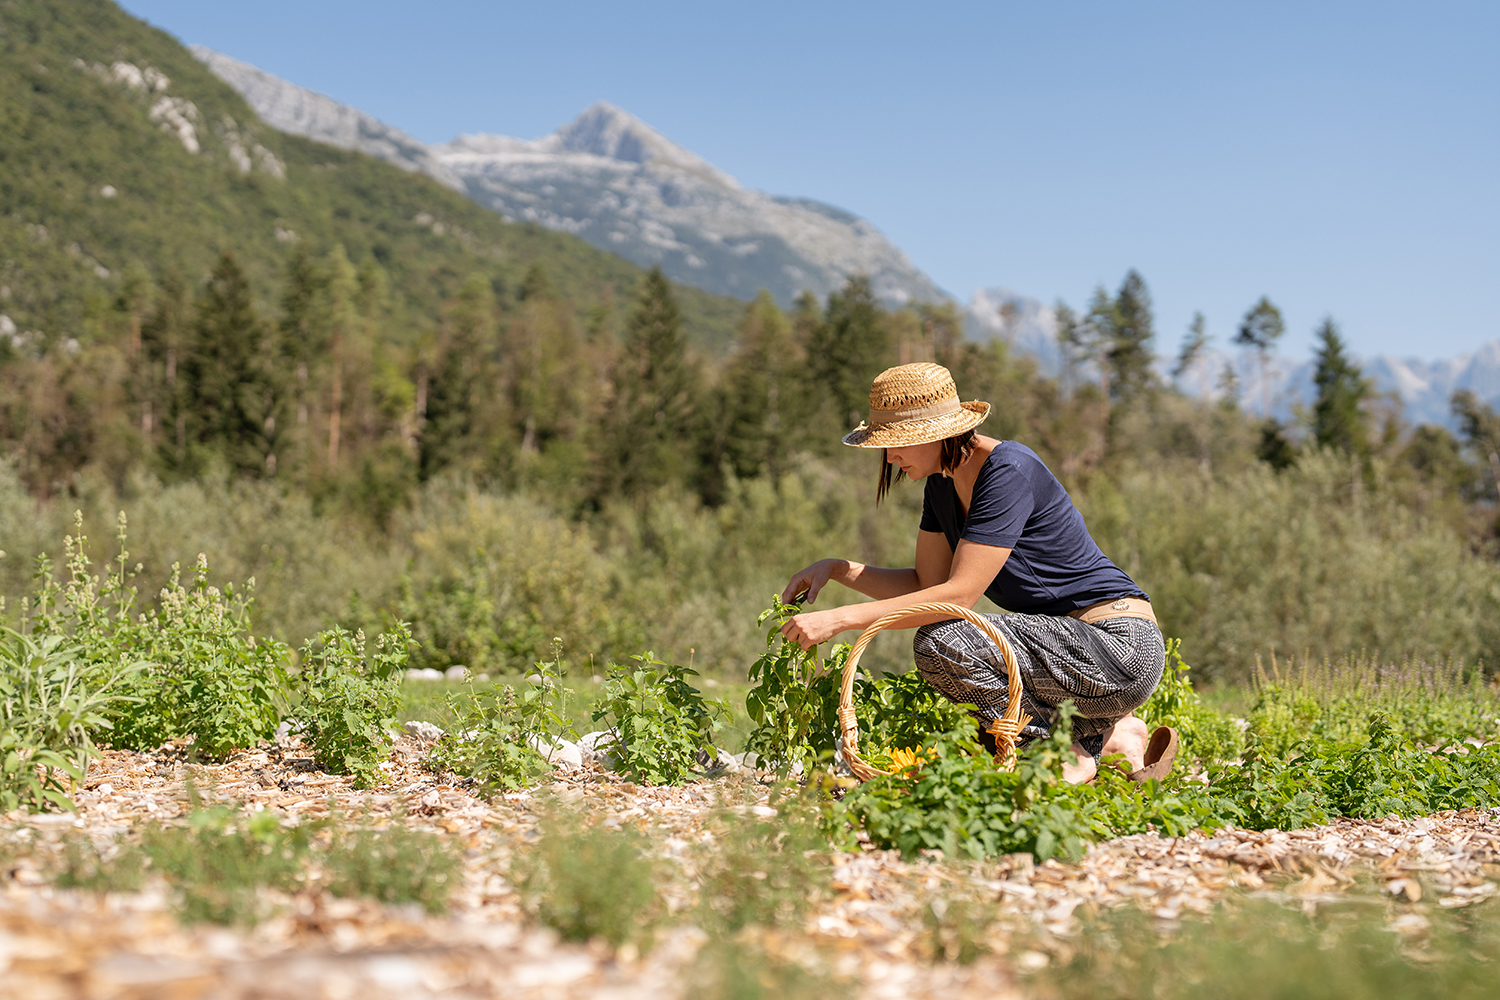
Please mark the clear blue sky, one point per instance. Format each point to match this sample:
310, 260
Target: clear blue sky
1343, 158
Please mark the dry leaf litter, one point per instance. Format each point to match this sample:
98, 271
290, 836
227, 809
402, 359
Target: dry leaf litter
872, 929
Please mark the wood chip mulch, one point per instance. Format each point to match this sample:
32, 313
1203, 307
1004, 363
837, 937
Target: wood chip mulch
877, 928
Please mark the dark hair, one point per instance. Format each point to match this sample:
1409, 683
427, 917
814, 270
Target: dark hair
956, 450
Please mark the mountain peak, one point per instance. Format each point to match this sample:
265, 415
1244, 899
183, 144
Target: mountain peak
602, 129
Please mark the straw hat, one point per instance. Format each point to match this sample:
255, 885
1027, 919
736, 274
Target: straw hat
915, 404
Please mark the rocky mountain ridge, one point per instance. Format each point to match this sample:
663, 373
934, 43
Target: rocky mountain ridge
614, 181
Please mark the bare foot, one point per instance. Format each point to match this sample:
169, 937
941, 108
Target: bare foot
1128, 737
1082, 770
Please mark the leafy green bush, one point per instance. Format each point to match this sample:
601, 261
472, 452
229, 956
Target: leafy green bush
393, 865
350, 699
589, 882
660, 721
51, 702
191, 667
795, 698
496, 735
957, 801
1430, 702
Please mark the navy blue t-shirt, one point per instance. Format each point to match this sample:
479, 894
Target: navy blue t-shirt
1054, 566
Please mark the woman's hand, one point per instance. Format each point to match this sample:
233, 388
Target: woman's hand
811, 580
813, 627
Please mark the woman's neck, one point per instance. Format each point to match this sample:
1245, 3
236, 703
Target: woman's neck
968, 470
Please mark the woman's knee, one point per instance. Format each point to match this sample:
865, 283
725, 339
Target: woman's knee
925, 645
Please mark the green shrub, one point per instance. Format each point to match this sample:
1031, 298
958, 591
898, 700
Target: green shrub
795, 696
661, 722
738, 970
496, 734
958, 802
1430, 702
588, 882
350, 699
191, 667
393, 865
52, 699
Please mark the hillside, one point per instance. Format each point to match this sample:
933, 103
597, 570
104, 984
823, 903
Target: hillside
614, 181
120, 151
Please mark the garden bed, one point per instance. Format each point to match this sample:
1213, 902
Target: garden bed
885, 926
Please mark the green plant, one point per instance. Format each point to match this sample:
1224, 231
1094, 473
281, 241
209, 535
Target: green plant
350, 699
588, 882
497, 735
220, 858
51, 701
661, 723
188, 668
956, 929
393, 865
794, 697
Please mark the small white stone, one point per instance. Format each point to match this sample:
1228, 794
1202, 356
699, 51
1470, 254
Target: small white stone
425, 732
457, 672
108, 191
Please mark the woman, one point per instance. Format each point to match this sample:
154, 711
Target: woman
995, 521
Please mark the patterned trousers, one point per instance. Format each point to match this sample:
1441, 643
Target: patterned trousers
1106, 669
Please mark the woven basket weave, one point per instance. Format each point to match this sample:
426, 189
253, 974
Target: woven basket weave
1006, 729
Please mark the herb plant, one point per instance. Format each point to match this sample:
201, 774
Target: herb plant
497, 735
663, 725
350, 699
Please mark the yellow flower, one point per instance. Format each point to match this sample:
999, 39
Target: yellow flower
903, 760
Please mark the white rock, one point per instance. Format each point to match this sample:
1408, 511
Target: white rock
561, 753
457, 672
425, 732
424, 674
597, 741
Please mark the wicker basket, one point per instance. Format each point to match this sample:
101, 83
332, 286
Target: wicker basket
1006, 729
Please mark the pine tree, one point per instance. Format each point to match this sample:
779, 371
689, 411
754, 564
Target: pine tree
234, 389
650, 437
1259, 331
1339, 420
1129, 354
1194, 344
761, 406
462, 397
848, 349
1480, 425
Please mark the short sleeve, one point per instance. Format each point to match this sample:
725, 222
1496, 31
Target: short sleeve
930, 520
1003, 502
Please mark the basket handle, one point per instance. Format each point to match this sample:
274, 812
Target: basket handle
1006, 729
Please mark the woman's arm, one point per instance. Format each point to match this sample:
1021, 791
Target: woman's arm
972, 568
934, 559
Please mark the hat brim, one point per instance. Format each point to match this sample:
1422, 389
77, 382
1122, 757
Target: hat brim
925, 431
